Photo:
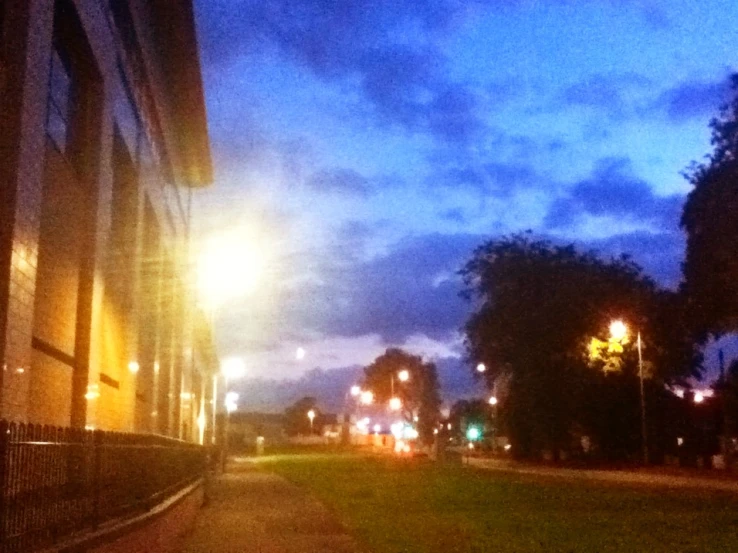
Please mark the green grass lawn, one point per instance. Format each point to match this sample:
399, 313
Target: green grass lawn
415, 505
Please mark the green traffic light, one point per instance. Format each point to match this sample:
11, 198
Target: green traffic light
473, 433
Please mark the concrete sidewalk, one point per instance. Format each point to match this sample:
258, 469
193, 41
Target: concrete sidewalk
251, 511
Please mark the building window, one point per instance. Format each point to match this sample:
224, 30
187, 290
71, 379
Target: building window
59, 100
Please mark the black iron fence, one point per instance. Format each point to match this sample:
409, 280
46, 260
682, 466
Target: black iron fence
58, 481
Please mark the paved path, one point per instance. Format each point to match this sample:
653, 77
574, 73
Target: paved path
251, 511
616, 476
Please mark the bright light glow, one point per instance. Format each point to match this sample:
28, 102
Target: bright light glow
233, 368
680, 441
481, 368
399, 444
93, 392
377, 428
300, 354
699, 397
493, 400
229, 265
435, 431
404, 375
618, 330
471, 445
395, 404
367, 397
507, 447
448, 426
473, 433
134, 367
355, 390
311, 415
231, 400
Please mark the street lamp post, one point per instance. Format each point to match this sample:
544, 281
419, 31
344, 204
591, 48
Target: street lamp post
231, 368
618, 331
644, 433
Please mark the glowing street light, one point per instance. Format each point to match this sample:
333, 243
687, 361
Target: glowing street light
300, 354
395, 404
481, 368
231, 400
404, 375
618, 330
493, 400
229, 265
355, 390
233, 368
699, 397
367, 397
311, 416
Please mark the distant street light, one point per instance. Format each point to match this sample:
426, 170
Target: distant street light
395, 403
481, 368
619, 332
367, 397
311, 416
404, 375
493, 400
699, 397
355, 390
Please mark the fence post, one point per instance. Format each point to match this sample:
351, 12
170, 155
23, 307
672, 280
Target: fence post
4, 452
97, 442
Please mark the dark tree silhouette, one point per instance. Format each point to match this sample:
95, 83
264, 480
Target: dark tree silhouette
710, 219
296, 419
538, 307
420, 394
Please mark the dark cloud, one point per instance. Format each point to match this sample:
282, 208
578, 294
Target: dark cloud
455, 215
498, 179
693, 100
413, 289
659, 253
614, 190
364, 41
346, 181
606, 93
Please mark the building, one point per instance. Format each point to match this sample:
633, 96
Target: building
104, 138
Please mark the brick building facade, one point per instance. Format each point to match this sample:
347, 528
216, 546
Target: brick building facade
103, 138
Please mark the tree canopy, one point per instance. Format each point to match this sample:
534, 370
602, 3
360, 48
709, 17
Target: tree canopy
710, 221
296, 416
419, 394
538, 307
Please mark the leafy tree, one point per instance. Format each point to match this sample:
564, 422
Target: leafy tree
296, 418
419, 395
538, 307
710, 221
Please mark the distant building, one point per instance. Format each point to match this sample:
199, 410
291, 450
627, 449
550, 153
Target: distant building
103, 137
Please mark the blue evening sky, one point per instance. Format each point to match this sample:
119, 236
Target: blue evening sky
370, 145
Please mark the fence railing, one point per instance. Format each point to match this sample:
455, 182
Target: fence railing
58, 481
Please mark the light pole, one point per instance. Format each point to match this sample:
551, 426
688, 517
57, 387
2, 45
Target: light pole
618, 332
231, 368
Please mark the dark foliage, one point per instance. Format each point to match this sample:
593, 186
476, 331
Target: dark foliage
420, 395
711, 223
296, 420
538, 307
